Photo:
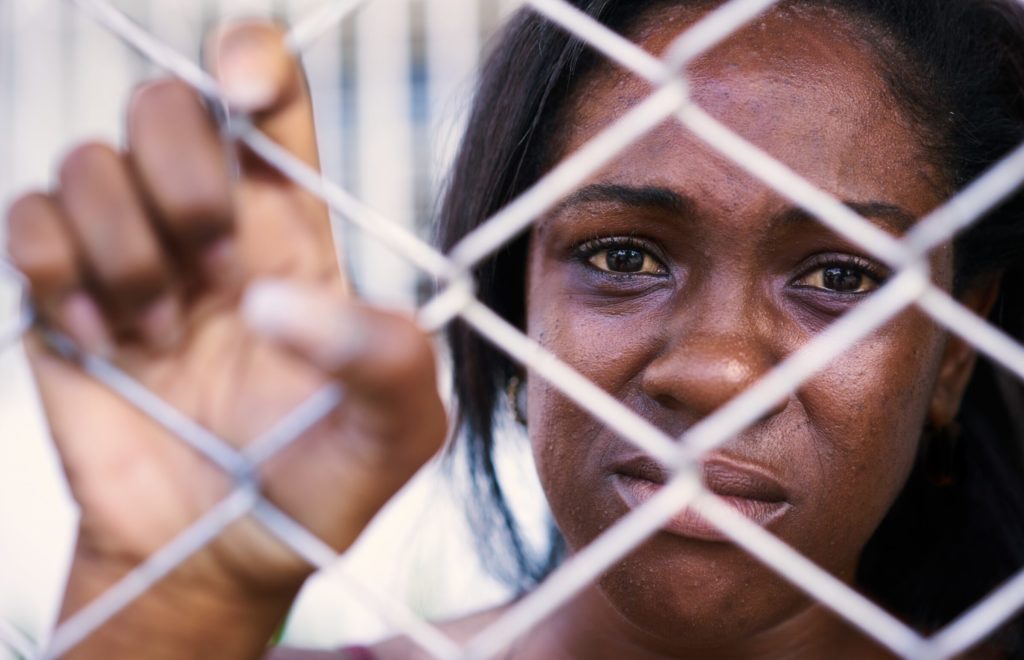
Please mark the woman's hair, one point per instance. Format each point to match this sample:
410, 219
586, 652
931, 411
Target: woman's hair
957, 67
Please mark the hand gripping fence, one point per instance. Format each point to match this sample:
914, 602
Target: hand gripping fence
910, 286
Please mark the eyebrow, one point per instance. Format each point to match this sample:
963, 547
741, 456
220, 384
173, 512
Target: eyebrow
652, 197
894, 217
891, 216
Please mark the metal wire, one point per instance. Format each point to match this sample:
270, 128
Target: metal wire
16, 640
668, 99
321, 555
85, 621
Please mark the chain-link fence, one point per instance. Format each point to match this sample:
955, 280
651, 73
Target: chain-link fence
909, 286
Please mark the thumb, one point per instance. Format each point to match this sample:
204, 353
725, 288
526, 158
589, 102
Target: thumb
260, 76
383, 354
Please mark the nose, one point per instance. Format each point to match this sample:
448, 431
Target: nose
700, 373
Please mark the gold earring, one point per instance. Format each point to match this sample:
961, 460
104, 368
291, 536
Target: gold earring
516, 394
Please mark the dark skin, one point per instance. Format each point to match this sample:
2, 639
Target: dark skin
675, 281
702, 279
144, 256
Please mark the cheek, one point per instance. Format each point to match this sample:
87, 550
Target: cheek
865, 414
569, 445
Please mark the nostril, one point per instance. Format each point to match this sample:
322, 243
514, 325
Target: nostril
702, 374
777, 407
666, 401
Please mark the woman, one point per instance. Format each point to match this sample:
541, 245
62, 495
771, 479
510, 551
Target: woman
672, 279
935, 525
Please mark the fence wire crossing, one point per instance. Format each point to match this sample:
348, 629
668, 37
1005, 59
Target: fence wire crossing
910, 286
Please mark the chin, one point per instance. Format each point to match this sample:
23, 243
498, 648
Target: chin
693, 595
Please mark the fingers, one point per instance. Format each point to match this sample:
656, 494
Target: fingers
96, 266
260, 76
180, 162
390, 420
41, 248
128, 239
118, 245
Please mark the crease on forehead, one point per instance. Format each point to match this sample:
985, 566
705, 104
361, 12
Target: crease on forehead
841, 40
833, 55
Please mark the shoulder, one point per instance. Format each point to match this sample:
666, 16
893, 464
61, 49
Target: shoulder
459, 630
397, 648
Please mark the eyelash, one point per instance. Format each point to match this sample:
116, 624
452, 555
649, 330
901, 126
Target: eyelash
588, 249
866, 267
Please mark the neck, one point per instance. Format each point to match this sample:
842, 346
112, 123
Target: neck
589, 627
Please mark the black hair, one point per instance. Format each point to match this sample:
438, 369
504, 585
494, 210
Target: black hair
957, 67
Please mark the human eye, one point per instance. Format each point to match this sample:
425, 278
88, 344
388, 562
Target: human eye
621, 256
841, 274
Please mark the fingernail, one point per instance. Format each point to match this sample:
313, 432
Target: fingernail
248, 95
281, 311
243, 68
160, 323
271, 307
84, 323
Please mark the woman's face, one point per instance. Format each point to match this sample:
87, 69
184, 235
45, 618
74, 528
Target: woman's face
674, 280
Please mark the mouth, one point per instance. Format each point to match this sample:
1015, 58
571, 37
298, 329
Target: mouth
752, 492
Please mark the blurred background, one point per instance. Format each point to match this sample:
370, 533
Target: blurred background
391, 85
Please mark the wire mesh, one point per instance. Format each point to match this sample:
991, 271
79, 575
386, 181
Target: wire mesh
909, 287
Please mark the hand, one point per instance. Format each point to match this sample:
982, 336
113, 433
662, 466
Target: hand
144, 257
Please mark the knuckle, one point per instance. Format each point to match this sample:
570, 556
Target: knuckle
136, 265
126, 258
85, 159
23, 213
199, 216
36, 242
162, 98
135, 285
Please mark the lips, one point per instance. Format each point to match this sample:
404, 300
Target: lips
749, 489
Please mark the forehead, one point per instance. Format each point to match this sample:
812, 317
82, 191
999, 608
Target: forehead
801, 83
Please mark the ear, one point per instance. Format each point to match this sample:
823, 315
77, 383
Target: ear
959, 357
